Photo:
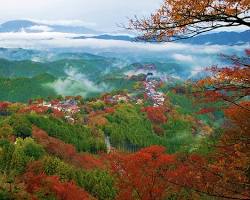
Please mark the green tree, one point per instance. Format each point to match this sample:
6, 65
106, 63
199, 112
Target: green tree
6, 131
26, 150
6, 153
77, 135
21, 125
98, 183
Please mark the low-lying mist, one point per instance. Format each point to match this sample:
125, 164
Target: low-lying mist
181, 60
77, 83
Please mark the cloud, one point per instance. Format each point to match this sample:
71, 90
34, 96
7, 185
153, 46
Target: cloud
137, 72
32, 38
77, 84
195, 70
106, 13
64, 22
165, 76
65, 40
42, 28
183, 58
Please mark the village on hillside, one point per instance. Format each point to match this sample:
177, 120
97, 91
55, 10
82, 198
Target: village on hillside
151, 84
70, 107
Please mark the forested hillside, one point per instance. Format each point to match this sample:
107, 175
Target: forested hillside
182, 134
101, 117
23, 89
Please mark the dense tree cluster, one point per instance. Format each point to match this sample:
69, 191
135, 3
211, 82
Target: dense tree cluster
65, 151
127, 128
78, 135
21, 125
23, 89
50, 187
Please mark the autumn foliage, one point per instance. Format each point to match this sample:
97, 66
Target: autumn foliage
230, 84
109, 110
152, 174
51, 185
233, 149
141, 175
65, 151
4, 105
230, 166
181, 19
156, 114
34, 108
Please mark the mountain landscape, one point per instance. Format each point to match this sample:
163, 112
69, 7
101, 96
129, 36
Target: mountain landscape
93, 112
221, 38
35, 27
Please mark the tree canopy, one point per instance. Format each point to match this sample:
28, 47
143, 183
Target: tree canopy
181, 19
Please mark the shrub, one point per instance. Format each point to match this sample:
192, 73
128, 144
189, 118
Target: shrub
21, 125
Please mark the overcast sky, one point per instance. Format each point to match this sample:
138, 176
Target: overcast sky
100, 14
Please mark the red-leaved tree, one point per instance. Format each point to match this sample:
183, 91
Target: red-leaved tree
156, 114
141, 175
51, 185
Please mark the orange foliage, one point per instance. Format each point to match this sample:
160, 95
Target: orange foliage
109, 110
229, 84
231, 159
234, 147
180, 19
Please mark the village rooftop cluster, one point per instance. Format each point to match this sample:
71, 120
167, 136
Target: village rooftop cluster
151, 84
69, 107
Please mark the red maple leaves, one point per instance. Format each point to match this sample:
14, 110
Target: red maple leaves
156, 114
141, 175
65, 151
51, 185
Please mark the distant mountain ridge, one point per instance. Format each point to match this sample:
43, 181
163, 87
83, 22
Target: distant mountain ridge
30, 26
109, 37
221, 38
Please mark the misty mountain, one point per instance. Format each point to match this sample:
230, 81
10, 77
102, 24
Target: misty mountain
34, 27
221, 38
109, 37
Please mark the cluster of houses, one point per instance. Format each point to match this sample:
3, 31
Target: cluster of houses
151, 84
69, 107
116, 98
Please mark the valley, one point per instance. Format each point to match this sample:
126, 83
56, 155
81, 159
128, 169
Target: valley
94, 115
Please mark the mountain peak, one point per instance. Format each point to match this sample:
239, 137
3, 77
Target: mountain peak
30, 26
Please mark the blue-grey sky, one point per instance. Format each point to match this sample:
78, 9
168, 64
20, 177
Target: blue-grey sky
99, 14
